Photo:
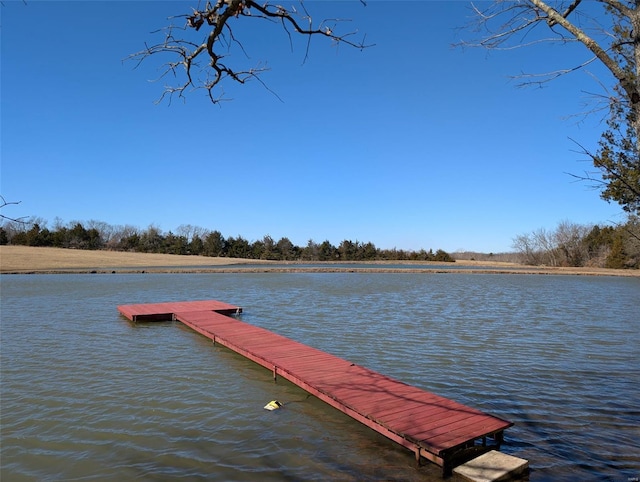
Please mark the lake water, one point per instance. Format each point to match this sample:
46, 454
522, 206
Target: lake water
87, 395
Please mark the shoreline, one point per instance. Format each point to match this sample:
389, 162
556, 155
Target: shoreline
36, 260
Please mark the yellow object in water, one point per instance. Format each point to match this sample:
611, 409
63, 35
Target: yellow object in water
273, 405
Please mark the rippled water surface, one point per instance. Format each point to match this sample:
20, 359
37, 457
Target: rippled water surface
89, 396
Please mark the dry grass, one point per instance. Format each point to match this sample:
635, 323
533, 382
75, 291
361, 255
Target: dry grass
15, 259
25, 259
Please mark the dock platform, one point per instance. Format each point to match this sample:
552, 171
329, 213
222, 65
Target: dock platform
440, 430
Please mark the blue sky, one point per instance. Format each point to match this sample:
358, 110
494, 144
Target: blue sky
409, 144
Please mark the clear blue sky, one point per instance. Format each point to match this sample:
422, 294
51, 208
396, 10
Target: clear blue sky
409, 144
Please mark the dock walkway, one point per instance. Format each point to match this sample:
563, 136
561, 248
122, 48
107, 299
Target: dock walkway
436, 428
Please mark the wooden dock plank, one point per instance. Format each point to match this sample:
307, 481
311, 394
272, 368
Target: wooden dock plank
431, 428
458, 432
159, 311
430, 425
383, 405
427, 409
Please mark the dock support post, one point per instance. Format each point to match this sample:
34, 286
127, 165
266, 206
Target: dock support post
275, 373
447, 469
417, 453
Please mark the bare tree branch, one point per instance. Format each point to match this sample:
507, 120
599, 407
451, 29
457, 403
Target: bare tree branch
566, 13
612, 173
4, 203
610, 31
507, 25
203, 65
556, 18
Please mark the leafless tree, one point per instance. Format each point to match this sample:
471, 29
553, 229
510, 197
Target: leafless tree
526, 245
546, 246
200, 61
190, 232
569, 240
610, 32
564, 246
106, 230
122, 233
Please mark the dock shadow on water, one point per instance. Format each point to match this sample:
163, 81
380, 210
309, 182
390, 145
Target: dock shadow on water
88, 395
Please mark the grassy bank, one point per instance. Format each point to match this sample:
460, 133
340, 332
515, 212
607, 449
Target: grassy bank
25, 259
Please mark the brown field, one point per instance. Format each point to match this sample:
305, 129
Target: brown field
25, 259
20, 259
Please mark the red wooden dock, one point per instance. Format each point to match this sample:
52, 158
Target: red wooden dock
436, 428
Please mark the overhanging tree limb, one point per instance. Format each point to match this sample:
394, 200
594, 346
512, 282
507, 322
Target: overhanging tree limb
190, 57
4, 203
613, 173
556, 17
610, 30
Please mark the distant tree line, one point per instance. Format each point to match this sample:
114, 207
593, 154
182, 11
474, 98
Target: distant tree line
573, 244
194, 240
